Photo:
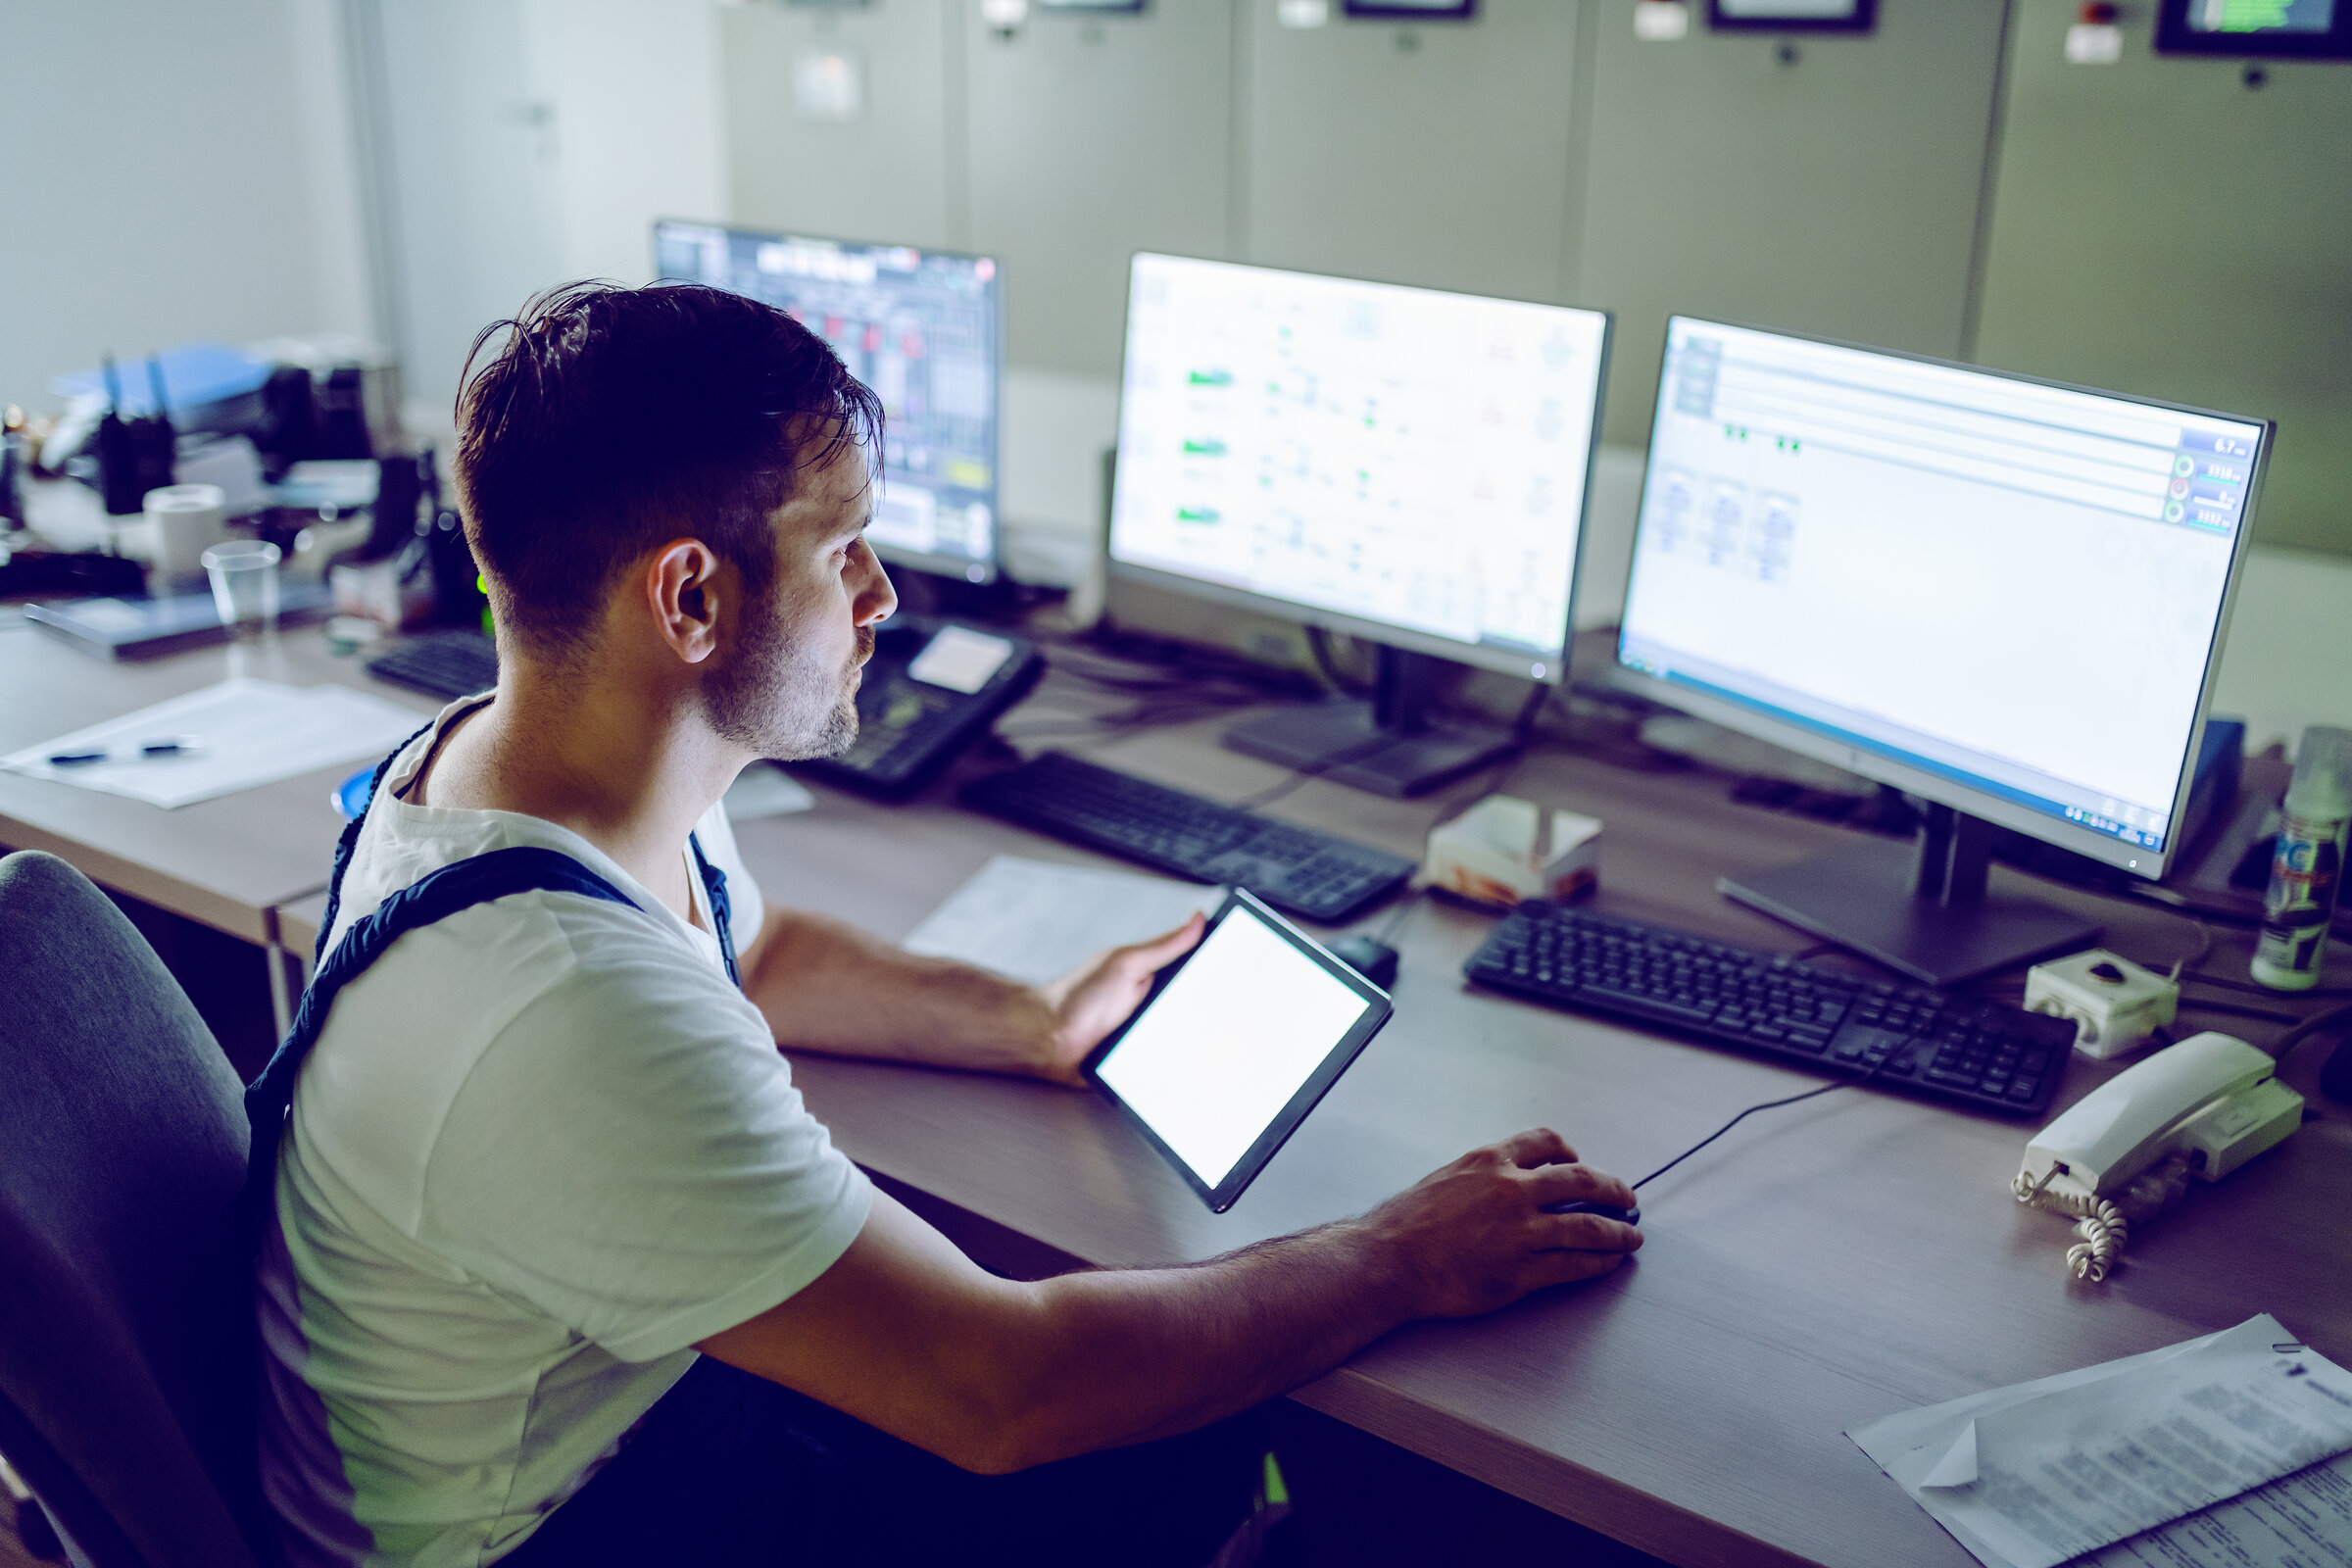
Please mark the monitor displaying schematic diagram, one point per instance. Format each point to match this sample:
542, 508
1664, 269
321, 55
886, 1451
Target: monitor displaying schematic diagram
1401, 463
924, 329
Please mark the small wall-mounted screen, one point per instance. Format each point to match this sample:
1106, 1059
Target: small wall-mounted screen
2261, 15
2308, 29
1783, 15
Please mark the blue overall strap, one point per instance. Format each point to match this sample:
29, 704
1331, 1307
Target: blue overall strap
715, 889
522, 868
350, 841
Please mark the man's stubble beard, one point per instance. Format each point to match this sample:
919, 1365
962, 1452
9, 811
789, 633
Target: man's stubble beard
781, 707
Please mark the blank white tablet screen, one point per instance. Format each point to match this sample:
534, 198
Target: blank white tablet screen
1226, 1044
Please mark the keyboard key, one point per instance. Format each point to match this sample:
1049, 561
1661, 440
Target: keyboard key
1633, 1002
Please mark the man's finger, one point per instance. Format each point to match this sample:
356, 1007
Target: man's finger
1159, 952
1566, 1268
1589, 1233
1538, 1147
1577, 1184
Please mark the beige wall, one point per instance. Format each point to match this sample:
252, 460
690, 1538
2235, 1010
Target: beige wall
173, 172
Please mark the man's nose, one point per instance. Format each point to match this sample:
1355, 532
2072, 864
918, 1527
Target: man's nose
876, 599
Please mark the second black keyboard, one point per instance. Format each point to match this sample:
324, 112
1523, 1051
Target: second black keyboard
1988, 1055
1296, 870
441, 663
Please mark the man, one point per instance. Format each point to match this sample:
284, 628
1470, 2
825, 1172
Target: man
544, 1153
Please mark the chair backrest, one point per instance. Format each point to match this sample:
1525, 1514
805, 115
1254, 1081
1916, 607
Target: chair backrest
126, 1373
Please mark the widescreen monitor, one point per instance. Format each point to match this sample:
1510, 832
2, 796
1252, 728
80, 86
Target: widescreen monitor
2004, 595
924, 329
1404, 465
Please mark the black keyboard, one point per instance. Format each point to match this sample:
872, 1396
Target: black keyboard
1986, 1055
1297, 870
442, 664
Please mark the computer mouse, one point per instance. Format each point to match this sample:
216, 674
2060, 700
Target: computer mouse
1368, 956
1629, 1217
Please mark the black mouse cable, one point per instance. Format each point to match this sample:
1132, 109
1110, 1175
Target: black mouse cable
1855, 1082
2334, 1019
2254, 988
1386, 934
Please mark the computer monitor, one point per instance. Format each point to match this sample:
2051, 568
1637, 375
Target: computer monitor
2006, 595
1403, 464
925, 330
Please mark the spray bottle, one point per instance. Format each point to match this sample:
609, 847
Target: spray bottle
2308, 868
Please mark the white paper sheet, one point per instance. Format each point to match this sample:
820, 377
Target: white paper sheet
766, 790
2303, 1520
253, 732
1036, 921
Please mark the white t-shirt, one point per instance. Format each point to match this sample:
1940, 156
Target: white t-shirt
540, 1150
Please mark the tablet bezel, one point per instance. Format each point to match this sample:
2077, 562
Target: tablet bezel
1336, 1060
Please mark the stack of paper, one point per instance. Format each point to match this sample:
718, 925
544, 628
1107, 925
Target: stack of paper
245, 733
2233, 1449
1037, 921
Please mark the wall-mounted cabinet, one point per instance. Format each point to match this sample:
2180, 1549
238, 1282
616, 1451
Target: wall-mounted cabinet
1820, 183
1093, 136
1431, 153
2162, 227
879, 174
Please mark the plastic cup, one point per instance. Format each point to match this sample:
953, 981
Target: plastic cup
244, 576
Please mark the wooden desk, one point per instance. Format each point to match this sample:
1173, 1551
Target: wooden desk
1820, 1267
1817, 1269
227, 863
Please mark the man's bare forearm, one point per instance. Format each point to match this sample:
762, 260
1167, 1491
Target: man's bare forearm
1148, 1353
906, 1333
827, 985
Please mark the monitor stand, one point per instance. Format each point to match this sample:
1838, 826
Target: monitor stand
1390, 746
1922, 909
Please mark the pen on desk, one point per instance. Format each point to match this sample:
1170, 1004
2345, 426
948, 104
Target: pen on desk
172, 746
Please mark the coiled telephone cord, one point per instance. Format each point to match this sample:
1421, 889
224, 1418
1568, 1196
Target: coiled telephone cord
2105, 1224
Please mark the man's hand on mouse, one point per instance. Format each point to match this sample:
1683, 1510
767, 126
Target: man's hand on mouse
1474, 1236
1080, 1010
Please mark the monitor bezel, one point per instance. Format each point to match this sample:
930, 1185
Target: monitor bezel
1876, 766
1478, 655
938, 564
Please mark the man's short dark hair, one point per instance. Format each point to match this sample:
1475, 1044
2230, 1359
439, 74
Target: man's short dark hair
611, 420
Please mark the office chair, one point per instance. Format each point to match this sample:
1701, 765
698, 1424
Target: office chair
127, 1377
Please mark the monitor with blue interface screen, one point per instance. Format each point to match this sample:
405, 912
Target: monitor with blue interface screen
924, 329
2001, 594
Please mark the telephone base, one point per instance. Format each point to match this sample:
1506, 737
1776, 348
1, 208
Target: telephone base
1859, 897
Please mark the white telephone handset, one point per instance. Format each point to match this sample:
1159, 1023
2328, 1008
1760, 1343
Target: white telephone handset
2124, 1152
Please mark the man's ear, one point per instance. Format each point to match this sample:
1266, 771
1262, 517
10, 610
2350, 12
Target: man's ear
682, 589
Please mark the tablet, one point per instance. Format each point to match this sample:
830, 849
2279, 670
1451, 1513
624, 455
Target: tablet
1233, 1046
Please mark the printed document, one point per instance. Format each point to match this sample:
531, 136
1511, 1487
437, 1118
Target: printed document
1036, 921
2231, 1448
240, 734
